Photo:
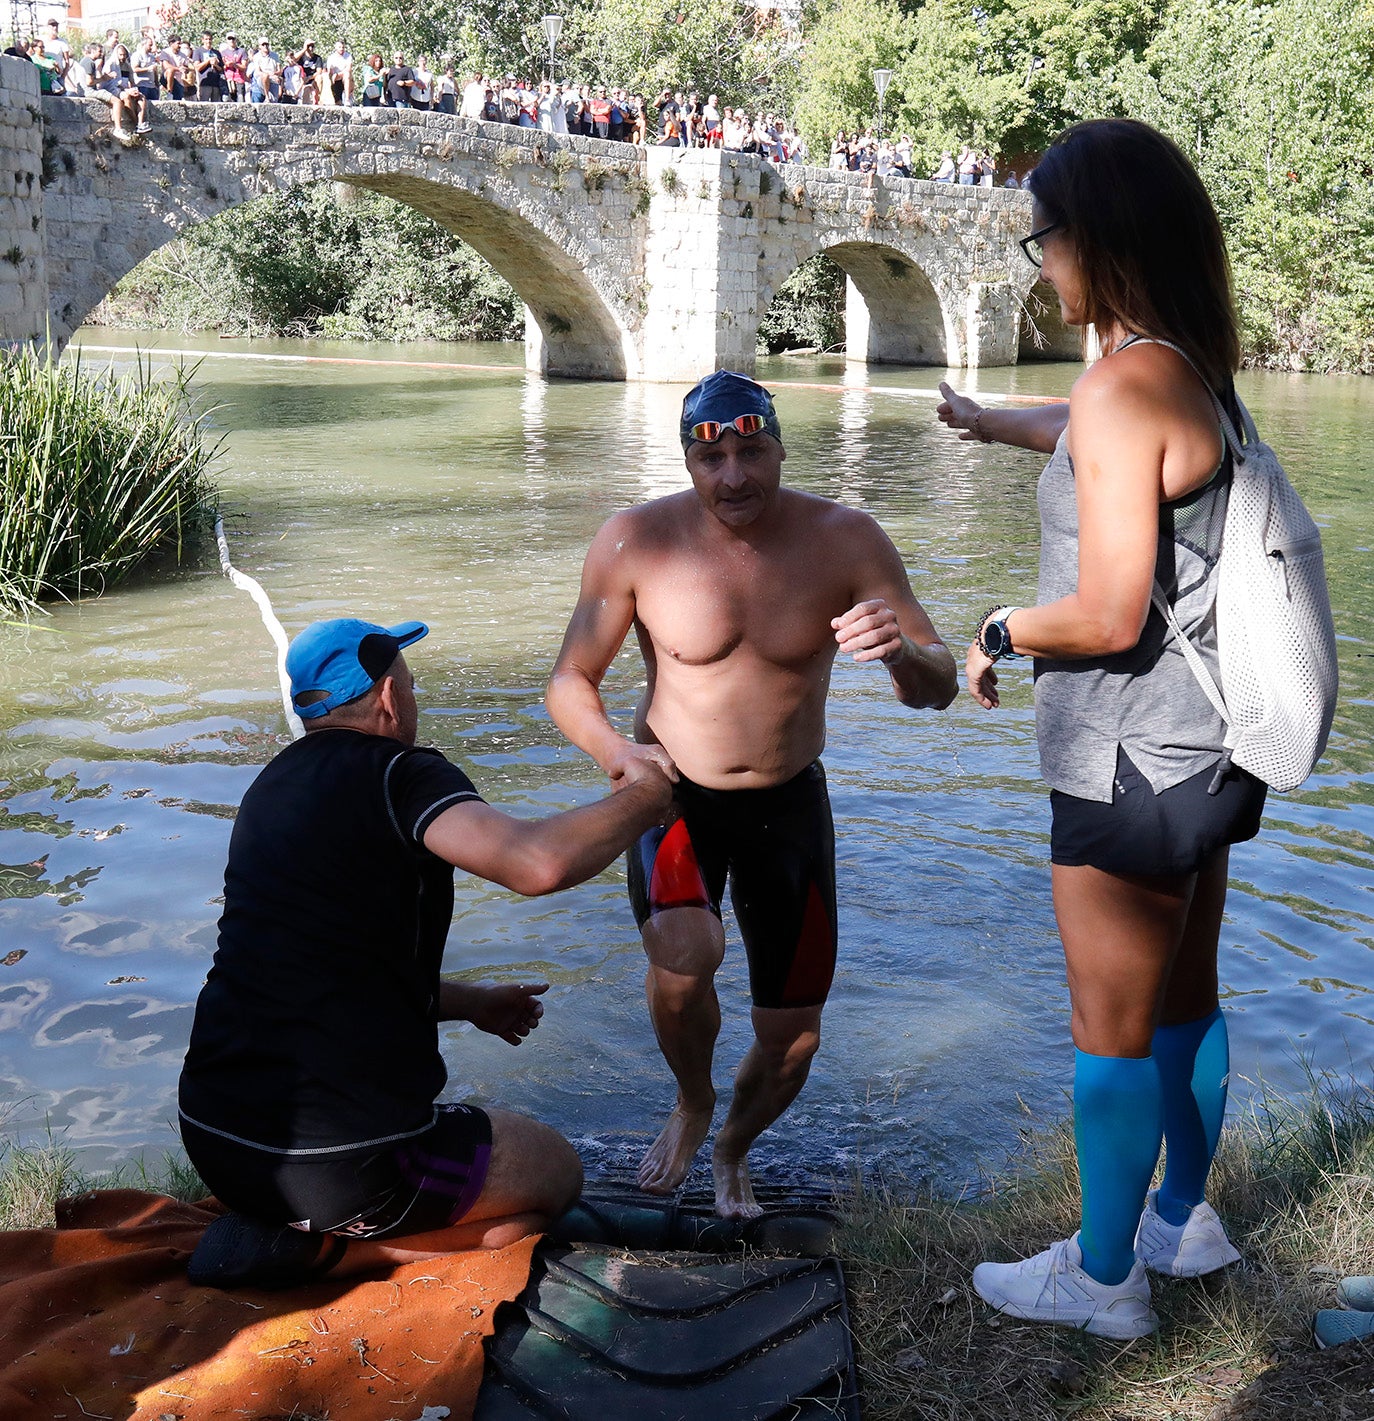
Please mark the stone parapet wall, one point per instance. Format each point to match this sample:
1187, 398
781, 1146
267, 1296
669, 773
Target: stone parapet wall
23, 239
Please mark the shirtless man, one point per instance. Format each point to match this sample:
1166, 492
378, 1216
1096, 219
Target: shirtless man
740, 592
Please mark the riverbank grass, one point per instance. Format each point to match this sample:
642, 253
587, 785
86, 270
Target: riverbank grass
1295, 1185
97, 473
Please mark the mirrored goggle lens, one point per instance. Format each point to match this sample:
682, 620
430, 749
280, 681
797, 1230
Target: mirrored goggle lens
708, 431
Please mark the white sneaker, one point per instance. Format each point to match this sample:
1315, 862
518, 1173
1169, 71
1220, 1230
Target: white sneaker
1188, 1250
1052, 1287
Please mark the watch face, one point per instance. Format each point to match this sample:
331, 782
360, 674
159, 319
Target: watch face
995, 635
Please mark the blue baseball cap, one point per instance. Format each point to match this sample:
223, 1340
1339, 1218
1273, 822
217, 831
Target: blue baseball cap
721, 398
345, 658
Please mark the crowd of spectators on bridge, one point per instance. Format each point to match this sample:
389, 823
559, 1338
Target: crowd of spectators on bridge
230, 71
867, 153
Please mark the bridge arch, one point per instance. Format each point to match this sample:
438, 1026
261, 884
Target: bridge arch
228, 155
893, 311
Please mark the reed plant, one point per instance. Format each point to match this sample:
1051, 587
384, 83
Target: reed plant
96, 474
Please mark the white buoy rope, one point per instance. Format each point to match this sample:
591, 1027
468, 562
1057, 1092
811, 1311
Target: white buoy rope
254, 589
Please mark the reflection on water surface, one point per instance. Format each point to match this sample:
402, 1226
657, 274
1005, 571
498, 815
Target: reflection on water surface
131, 725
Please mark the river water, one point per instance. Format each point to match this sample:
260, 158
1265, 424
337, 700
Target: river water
403, 487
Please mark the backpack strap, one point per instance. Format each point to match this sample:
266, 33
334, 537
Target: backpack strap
1228, 429
1191, 655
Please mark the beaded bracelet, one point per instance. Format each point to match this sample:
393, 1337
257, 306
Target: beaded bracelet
976, 425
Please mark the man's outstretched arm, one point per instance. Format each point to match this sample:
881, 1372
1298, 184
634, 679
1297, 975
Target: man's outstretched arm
604, 613
888, 625
538, 856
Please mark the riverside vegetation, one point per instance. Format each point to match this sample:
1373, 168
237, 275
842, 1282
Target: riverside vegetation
1270, 98
1295, 1183
96, 475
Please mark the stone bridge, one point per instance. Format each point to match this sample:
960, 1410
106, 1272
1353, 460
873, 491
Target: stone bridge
638, 264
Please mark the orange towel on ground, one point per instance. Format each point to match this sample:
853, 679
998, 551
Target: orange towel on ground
97, 1320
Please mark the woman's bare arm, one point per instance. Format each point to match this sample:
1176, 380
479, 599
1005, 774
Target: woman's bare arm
1035, 427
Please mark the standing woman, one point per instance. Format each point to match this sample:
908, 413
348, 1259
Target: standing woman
1144, 805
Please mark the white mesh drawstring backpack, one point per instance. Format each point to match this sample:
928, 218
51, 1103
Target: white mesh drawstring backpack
1275, 638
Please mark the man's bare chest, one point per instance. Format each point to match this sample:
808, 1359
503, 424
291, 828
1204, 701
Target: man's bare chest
699, 613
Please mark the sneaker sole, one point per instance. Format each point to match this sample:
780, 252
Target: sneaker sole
1190, 1270
1097, 1324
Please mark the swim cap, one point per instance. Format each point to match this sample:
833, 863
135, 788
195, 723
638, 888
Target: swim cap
723, 396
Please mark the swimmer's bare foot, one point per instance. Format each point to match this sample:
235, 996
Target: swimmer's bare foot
667, 1160
734, 1193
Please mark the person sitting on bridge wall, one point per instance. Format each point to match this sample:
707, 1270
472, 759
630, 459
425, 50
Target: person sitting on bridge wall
308, 1093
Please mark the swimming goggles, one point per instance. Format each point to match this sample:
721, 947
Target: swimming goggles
709, 430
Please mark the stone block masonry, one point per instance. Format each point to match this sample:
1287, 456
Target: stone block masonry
23, 237
633, 264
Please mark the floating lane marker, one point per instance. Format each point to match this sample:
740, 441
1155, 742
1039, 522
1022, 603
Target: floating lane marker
154, 351
915, 391
254, 589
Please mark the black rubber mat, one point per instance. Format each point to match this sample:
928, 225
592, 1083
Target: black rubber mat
600, 1335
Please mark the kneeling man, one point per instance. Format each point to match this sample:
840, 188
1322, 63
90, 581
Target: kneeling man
308, 1092
740, 592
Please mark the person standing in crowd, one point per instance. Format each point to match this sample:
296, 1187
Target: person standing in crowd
235, 69
292, 80
422, 84
474, 97
208, 64
399, 79
600, 110
446, 91
144, 62
56, 48
1144, 802
373, 81
338, 66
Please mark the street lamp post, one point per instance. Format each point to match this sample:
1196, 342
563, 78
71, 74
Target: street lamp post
553, 27
881, 79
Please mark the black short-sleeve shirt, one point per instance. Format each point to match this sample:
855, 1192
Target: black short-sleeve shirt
316, 1029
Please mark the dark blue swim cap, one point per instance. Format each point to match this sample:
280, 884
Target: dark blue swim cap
724, 396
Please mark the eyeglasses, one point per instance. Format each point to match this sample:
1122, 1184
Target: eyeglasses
1035, 253
709, 430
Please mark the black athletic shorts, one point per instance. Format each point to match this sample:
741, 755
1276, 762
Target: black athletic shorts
411, 1186
777, 848
1140, 831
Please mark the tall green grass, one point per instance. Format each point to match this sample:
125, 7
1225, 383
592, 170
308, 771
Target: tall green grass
96, 473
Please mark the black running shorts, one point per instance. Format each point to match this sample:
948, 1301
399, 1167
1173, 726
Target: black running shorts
777, 848
412, 1186
1172, 832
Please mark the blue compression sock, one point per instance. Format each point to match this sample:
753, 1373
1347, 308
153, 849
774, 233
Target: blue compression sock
1194, 1062
1118, 1123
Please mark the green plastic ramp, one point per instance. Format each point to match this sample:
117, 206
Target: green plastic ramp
600, 1335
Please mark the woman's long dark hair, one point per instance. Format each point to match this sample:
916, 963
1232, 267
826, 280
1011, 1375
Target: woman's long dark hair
1149, 245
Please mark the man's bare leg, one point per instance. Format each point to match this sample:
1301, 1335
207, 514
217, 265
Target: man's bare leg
534, 1176
773, 1071
684, 947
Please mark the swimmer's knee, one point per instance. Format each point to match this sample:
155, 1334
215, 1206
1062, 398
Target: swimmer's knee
787, 1037
684, 942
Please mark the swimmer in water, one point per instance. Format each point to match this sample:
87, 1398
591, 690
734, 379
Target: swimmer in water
741, 592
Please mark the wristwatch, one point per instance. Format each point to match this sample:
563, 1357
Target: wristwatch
994, 640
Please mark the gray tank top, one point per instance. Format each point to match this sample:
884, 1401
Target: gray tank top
1145, 701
